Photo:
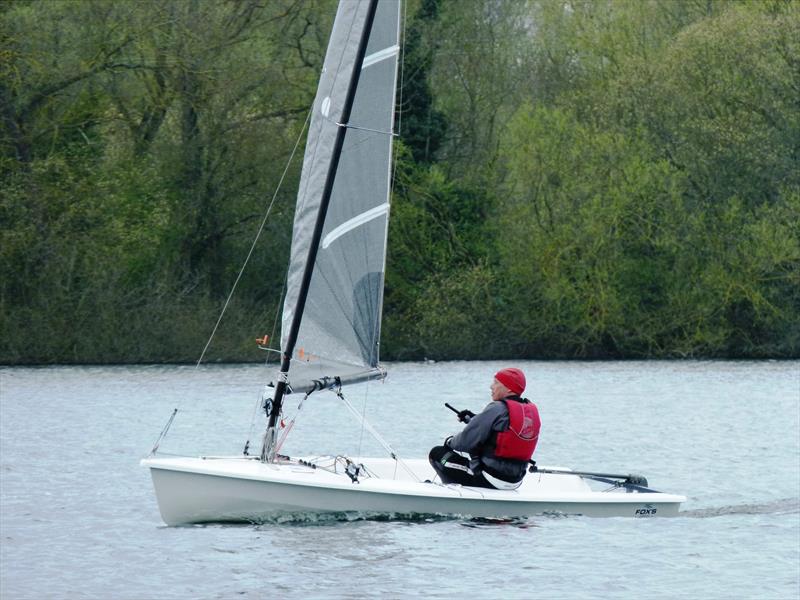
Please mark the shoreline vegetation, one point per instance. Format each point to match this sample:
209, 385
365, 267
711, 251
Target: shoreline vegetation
574, 180
426, 361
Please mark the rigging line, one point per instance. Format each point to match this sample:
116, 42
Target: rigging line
402, 81
355, 143
255, 241
366, 424
291, 423
163, 433
390, 133
364, 412
258, 404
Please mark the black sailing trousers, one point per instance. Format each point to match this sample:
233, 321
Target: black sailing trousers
454, 468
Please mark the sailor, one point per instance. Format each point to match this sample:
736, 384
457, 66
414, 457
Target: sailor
499, 441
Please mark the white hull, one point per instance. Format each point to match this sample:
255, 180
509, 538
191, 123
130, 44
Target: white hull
238, 489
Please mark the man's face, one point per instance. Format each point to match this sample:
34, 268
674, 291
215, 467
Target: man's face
499, 391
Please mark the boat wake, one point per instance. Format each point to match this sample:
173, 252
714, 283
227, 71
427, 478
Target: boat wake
302, 519
487, 523
311, 519
786, 506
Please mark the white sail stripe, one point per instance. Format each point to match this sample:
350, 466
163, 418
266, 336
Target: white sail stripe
380, 55
350, 224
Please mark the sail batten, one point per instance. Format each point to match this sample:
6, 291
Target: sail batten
380, 55
364, 217
340, 322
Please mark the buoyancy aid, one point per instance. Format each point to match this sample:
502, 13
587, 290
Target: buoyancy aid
518, 441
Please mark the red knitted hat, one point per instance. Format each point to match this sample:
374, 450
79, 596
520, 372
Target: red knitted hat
513, 379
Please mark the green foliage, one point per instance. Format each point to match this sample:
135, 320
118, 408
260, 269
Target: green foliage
592, 178
478, 81
421, 125
456, 315
584, 228
732, 121
135, 173
437, 227
644, 192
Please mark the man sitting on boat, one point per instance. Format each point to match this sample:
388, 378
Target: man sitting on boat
500, 440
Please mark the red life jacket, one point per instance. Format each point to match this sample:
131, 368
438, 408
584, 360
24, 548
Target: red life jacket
519, 441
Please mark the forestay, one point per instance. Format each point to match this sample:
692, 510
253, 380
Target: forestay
340, 328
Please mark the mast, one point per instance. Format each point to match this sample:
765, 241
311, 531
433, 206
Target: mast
268, 449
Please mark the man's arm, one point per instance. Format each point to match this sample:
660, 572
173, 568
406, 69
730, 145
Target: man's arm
478, 430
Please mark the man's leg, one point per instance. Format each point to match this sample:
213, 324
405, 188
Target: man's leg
454, 468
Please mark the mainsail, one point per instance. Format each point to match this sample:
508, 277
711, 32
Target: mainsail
340, 323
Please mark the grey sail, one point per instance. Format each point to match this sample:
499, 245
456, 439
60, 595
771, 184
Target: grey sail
339, 333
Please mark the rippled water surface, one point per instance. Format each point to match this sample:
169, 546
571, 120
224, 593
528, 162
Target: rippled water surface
78, 517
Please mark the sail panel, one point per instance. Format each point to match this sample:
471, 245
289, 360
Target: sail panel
341, 322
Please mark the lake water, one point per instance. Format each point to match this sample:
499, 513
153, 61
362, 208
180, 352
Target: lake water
78, 516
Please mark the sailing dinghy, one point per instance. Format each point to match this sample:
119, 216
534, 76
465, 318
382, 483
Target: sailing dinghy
331, 330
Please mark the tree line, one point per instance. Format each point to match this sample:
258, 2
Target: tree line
574, 178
